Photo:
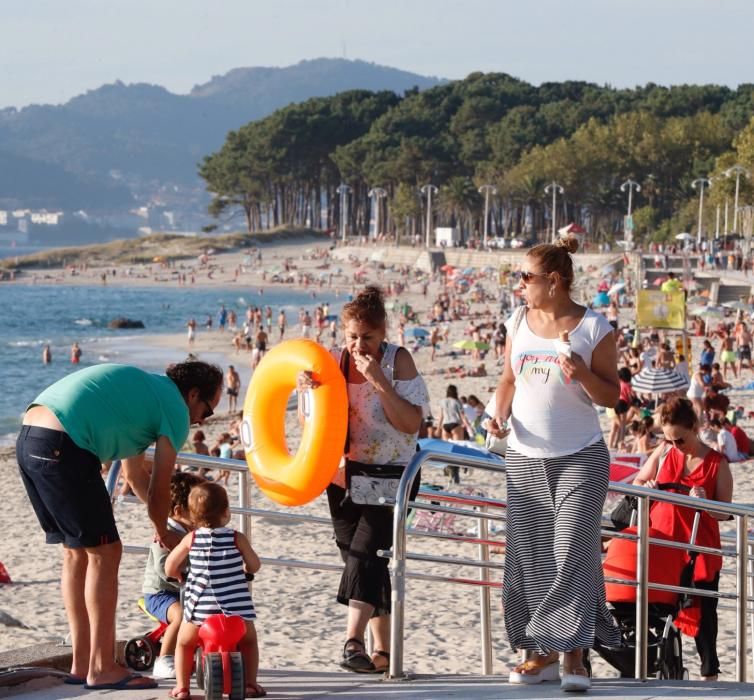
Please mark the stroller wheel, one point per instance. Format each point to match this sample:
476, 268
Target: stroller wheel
140, 653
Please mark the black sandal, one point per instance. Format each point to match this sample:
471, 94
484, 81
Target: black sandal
356, 660
385, 655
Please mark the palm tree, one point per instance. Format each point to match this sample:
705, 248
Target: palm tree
460, 202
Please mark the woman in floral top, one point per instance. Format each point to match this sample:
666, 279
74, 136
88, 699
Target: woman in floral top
385, 397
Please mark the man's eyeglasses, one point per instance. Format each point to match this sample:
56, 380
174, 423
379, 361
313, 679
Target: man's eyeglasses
676, 443
209, 411
527, 277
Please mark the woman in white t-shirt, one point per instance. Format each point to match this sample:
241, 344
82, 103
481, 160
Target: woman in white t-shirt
557, 471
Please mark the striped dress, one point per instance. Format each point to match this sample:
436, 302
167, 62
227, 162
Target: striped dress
216, 582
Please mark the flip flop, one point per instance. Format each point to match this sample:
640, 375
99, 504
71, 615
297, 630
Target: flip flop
74, 680
180, 694
254, 690
125, 684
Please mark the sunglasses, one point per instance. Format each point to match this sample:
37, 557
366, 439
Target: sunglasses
676, 443
527, 277
209, 410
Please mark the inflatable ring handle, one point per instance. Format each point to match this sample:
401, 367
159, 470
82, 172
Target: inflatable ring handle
294, 480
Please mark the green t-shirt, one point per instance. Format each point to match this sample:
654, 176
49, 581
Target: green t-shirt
117, 411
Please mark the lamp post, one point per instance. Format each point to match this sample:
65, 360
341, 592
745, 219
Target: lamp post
699, 184
736, 170
429, 190
629, 185
486, 190
377, 193
343, 191
556, 189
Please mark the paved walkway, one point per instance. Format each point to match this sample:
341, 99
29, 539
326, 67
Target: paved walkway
343, 686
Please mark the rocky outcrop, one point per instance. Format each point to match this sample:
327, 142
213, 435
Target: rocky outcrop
125, 323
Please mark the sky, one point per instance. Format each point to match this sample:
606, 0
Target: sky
52, 50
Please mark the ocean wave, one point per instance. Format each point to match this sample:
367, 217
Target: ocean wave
27, 343
83, 322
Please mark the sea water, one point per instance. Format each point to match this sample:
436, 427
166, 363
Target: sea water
32, 316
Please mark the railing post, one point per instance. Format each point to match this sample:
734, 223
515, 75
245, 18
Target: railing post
484, 596
750, 592
244, 520
742, 551
112, 478
642, 579
398, 567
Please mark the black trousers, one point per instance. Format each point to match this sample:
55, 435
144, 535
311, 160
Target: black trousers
706, 640
360, 531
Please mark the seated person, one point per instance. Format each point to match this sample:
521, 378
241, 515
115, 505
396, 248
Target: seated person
743, 443
726, 443
715, 404
162, 597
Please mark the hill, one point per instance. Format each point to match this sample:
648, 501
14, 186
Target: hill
142, 134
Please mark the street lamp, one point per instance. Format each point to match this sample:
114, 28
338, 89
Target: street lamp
629, 185
556, 189
377, 193
736, 170
429, 190
343, 191
699, 184
486, 190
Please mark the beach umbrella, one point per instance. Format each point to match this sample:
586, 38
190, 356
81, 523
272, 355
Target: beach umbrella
697, 299
652, 380
737, 305
684, 237
709, 312
458, 448
417, 332
471, 345
468, 271
617, 287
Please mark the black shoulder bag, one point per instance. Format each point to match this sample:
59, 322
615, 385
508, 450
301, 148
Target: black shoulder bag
366, 484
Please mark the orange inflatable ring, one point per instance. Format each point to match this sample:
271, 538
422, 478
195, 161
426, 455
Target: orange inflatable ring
294, 480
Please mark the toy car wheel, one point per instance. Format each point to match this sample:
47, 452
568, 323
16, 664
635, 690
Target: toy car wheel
213, 676
199, 668
237, 677
140, 653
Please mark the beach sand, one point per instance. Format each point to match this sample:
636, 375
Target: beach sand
300, 625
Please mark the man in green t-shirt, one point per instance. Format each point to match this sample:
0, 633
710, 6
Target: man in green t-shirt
96, 415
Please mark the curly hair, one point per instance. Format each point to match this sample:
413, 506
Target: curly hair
368, 307
556, 257
181, 484
203, 376
208, 502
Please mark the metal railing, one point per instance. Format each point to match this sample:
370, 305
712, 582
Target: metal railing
741, 552
482, 510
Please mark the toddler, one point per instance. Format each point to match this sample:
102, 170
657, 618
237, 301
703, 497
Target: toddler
162, 597
216, 584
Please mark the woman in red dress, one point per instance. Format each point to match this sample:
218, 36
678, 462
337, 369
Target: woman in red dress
685, 459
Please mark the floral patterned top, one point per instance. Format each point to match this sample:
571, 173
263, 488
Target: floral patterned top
373, 440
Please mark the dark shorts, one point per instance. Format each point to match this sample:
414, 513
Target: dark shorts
621, 407
66, 488
744, 353
449, 427
158, 604
232, 392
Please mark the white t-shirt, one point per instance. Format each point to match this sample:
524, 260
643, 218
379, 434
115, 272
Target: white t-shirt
551, 416
726, 444
647, 358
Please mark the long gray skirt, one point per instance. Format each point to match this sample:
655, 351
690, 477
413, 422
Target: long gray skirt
553, 586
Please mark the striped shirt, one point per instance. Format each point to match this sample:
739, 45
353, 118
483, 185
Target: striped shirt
216, 582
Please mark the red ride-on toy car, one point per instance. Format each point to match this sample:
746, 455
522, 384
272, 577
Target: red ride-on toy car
218, 664
141, 652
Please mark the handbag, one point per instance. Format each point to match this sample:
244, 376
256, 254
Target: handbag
496, 445
366, 483
622, 516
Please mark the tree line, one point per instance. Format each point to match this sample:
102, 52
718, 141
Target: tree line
286, 169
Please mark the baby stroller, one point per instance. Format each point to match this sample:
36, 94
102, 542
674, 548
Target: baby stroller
668, 566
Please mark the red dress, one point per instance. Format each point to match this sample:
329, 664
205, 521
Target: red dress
676, 521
